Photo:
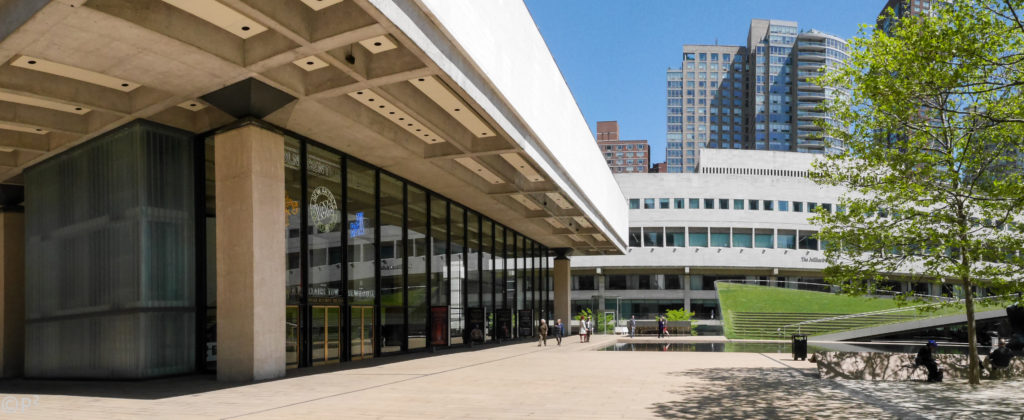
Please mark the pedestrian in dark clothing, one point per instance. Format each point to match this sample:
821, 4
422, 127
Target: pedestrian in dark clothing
926, 358
558, 331
542, 331
999, 360
661, 327
632, 326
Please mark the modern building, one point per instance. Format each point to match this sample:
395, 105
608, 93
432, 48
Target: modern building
759, 96
707, 97
743, 216
245, 186
905, 8
622, 155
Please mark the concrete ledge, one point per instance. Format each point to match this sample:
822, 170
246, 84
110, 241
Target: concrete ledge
898, 366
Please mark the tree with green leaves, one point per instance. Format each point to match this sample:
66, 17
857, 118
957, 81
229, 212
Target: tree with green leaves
932, 134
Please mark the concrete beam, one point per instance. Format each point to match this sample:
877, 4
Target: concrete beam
25, 141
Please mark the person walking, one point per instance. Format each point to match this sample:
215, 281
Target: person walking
542, 330
632, 326
661, 327
583, 328
590, 330
558, 331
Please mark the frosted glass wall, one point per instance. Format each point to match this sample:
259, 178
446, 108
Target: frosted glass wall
110, 267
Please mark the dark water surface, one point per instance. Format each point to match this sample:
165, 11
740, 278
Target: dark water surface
784, 347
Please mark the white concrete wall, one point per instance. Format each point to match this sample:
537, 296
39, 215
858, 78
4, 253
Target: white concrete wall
534, 105
756, 159
718, 186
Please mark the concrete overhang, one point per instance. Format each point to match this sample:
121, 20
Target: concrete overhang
462, 98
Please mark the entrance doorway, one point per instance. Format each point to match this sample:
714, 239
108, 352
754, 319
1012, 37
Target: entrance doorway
326, 335
362, 332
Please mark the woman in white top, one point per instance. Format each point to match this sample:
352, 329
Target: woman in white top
583, 329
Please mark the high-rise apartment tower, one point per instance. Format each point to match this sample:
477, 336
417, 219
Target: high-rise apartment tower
755, 97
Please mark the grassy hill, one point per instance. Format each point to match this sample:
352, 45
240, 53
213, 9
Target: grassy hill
750, 311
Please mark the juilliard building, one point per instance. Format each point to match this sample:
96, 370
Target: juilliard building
248, 186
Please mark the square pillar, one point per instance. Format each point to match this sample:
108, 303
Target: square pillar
12, 293
563, 280
251, 243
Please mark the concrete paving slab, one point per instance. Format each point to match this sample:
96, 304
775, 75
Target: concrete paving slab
523, 381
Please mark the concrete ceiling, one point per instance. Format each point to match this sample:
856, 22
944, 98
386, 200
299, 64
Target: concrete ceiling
74, 69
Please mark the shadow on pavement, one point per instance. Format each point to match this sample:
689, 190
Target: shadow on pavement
790, 393
174, 386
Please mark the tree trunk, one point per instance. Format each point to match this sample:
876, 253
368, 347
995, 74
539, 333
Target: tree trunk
974, 364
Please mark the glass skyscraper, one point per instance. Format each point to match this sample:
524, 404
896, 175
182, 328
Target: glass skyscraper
755, 97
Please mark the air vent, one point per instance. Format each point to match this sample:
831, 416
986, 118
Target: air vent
71, 72
310, 63
480, 170
221, 16
451, 104
43, 103
378, 44
391, 112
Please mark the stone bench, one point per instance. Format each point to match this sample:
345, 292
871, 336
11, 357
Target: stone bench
899, 366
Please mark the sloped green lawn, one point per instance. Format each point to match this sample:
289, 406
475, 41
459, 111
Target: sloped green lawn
733, 297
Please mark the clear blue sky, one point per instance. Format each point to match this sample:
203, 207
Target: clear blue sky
613, 54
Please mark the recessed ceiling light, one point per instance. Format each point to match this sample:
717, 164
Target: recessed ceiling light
310, 63
522, 166
22, 128
71, 72
443, 97
370, 99
42, 103
221, 16
378, 44
192, 105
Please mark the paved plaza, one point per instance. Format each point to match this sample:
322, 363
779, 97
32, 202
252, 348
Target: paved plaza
523, 381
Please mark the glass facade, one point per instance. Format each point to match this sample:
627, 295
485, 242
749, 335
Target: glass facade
378, 265
410, 256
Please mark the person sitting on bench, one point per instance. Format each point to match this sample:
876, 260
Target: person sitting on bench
999, 359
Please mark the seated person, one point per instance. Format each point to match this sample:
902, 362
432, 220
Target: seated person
927, 359
999, 359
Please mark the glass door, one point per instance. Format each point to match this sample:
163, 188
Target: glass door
291, 341
326, 335
362, 332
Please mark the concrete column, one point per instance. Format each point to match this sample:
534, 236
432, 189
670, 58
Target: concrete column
12, 293
563, 304
250, 254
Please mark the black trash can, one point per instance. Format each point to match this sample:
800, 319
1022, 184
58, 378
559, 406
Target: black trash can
799, 346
